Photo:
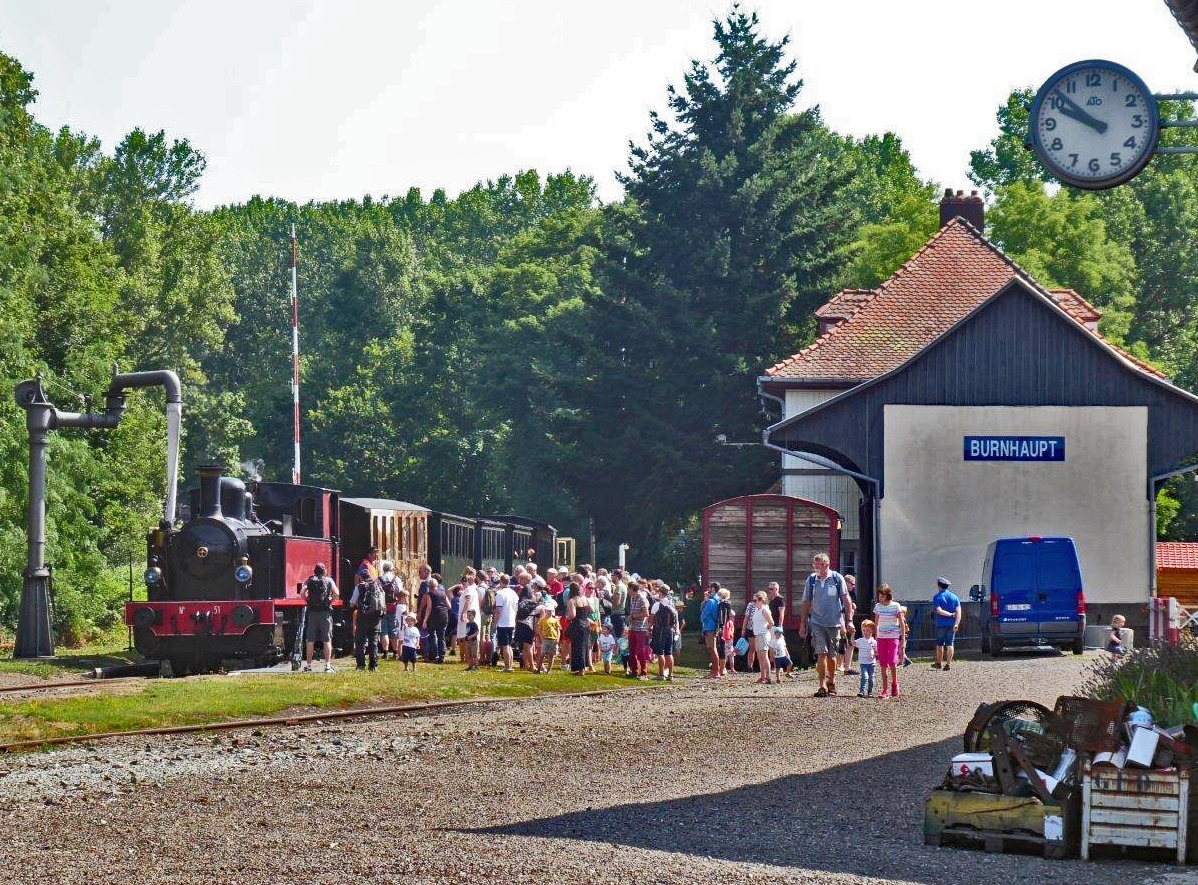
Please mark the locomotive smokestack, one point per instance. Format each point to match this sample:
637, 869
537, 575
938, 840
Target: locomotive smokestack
210, 492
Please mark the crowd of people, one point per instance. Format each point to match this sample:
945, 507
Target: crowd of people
596, 619
827, 632
584, 621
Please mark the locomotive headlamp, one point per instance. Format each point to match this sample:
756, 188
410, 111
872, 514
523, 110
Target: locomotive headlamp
153, 576
243, 572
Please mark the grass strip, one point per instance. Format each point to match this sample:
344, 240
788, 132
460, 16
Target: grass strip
210, 699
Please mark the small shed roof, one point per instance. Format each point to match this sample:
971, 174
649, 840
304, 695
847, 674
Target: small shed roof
1179, 555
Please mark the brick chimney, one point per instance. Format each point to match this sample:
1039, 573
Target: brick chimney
970, 208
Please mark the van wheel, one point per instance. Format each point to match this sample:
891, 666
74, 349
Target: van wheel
995, 646
1078, 646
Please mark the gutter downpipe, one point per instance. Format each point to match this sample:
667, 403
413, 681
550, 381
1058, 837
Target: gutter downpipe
1153, 486
874, 483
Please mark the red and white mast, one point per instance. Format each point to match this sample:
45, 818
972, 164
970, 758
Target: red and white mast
295, 360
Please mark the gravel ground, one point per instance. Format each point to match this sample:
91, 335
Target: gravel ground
694, 783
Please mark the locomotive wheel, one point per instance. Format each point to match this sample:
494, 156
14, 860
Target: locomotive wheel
180, 666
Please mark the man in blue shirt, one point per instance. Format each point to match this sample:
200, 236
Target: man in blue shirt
709, 622
947, 606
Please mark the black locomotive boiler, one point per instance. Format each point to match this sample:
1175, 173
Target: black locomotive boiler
226, 583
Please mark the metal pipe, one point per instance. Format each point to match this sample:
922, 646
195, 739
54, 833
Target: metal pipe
34, 637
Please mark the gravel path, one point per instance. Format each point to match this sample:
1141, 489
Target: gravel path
699, 782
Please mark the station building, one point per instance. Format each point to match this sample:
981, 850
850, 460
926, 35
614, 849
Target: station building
960, 402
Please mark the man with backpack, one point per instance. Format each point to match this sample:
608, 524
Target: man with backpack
319, 592
389, 627
826, 609
370, 603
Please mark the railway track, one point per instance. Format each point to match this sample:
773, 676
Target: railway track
327, 716
50, 686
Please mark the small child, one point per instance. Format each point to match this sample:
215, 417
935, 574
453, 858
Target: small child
549, 630
781, 656
607, 646
867, 654
411, 642
729, 638
1114, 643
470, 642
625, 654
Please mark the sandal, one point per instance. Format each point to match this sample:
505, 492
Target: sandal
821, 692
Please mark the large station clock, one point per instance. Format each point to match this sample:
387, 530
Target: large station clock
1094, 124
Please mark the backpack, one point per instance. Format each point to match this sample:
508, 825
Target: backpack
723, 613
320, 593
390, 594
371, 601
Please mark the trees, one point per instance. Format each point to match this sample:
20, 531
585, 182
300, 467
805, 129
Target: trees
734, 229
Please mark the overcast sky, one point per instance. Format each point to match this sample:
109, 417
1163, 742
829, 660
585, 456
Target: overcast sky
314, 100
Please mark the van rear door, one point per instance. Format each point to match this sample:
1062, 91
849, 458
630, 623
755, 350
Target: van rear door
1014, 580
1058, 582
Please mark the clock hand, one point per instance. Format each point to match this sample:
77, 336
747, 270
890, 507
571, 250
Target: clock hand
1070, 108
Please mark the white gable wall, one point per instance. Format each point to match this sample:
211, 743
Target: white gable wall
824, 486
940, 511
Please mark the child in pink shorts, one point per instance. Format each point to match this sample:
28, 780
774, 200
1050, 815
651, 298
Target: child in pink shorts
888, 615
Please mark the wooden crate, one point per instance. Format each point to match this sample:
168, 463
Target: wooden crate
1135, 808
1000, 823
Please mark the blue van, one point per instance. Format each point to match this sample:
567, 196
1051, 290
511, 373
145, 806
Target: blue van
1031, 595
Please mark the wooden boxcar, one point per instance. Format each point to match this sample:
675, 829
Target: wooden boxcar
754, 539
397, 528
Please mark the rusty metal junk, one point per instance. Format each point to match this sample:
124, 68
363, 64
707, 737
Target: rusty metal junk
1065, 781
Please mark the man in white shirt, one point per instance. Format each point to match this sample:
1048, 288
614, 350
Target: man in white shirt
469, 600
504, 616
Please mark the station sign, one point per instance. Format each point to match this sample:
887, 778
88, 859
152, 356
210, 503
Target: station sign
1014, 448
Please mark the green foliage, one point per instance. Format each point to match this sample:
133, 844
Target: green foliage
1061, 240
1167, 510
1162, 678
736, 208
1007, 160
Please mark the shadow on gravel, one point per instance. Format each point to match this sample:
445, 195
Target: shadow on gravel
863, 818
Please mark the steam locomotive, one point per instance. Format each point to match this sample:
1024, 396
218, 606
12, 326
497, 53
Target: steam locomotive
225, 584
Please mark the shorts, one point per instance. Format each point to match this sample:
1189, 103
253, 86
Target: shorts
710, 639
524, 635
387, 625
548, 648
825, 640
407, 654
946, 637
471, 644
783, 663
761, 642
319, 627
607, 657
662, 642
888, 652
503, 636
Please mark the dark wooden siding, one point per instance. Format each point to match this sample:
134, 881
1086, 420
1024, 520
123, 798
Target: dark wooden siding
1014, 351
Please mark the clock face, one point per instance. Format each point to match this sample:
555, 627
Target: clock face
1094, 124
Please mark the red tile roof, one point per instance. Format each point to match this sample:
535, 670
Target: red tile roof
1076, 306
1176, 555
845, 303
880, 329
